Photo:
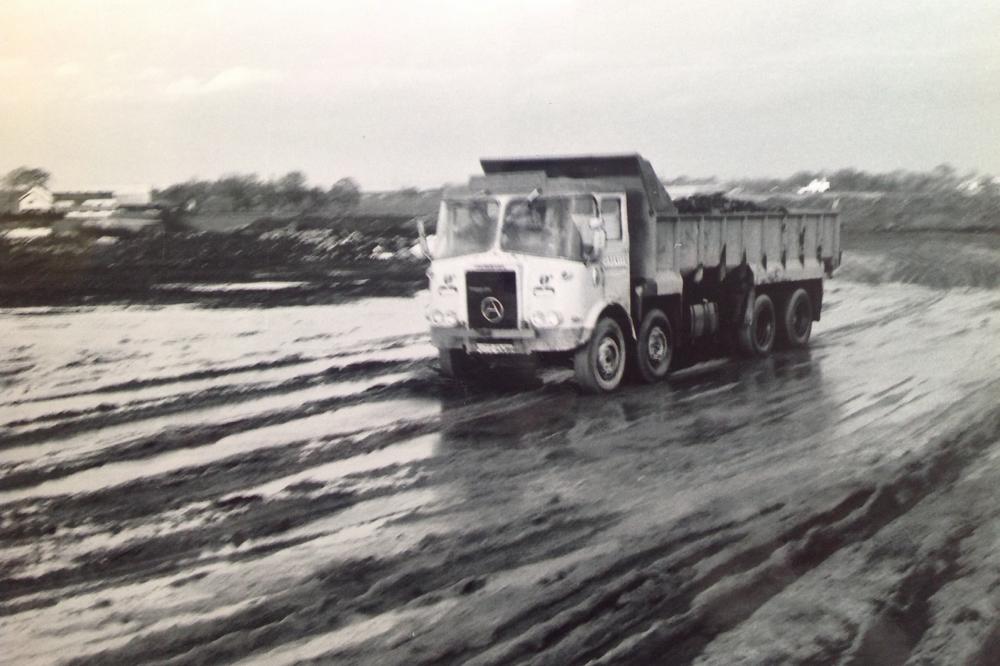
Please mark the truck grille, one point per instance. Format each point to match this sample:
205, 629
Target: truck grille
492, 299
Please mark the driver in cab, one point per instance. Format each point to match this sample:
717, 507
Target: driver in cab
525, 230
477, 232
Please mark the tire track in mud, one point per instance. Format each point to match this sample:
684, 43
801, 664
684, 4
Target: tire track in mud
193, 438
667, 601
444, 566
380, 345
669, 594
179, 437
105, 414
216, 484
729, 593
905, 617
134, 384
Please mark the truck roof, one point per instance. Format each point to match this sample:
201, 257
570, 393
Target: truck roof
602, 172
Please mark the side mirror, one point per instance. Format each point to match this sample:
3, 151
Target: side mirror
598, 239
425, 240
598, 244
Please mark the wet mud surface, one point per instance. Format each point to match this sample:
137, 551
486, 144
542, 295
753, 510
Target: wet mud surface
188, 484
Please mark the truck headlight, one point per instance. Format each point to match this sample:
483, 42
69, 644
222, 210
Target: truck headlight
440, 318
548, 319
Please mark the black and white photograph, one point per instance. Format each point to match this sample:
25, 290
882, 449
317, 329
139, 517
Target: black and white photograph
500, 332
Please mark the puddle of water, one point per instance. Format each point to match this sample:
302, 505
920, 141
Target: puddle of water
115, 613
348, 419
230, 286
80, 644
248, 379
169, 340
125, 612
529, 574
67, 546
418, 448
346, 637
356, 532
60, 450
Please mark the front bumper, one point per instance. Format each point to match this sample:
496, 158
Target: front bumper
509, 341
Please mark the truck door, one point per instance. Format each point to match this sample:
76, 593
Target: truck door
614, 263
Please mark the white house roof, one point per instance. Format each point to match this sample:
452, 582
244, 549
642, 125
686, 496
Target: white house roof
35, 189
79, 197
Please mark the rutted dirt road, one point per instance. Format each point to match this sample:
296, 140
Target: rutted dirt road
194, 485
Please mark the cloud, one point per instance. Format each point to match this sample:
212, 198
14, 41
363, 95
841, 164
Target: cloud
68, 69
234, 78
11, 68
152, 73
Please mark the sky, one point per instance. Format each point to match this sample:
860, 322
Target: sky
412, 93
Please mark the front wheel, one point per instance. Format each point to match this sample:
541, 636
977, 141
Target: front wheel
455, 364
600, 364
655, 349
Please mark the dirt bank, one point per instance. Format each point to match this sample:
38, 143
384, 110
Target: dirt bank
315, 265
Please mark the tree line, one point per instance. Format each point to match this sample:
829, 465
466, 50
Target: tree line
292, 193
237, 192
231, 193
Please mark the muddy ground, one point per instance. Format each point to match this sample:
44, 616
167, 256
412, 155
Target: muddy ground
294, 483
317, 262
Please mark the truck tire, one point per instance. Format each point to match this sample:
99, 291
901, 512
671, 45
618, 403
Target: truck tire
455, 364
757, 338
600, 364
796, 320
654, 351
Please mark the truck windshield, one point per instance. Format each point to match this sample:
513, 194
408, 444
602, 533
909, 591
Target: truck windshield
466, 227
547, 226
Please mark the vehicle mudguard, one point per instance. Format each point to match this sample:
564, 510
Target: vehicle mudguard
590, 321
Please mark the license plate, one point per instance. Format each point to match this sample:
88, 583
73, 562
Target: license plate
494, 348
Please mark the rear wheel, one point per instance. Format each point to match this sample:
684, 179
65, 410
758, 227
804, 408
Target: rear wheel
456, 364
757, 337
600, 364
797, 319
655, 349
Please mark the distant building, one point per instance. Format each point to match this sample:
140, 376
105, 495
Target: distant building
134, 195
970, 186
37, 199
75, 200
817, 186
85, 204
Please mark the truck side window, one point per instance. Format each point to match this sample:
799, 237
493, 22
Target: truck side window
611, 214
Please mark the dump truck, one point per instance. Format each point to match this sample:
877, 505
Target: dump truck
586, 261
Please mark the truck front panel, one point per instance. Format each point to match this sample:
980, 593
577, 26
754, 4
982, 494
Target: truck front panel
502, 303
